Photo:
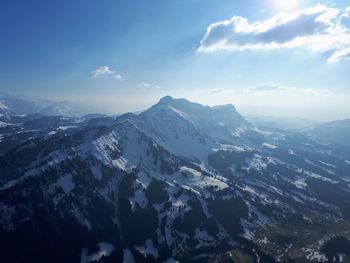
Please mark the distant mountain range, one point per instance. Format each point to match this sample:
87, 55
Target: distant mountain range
283, 123
336, 132
179, 182
19, 105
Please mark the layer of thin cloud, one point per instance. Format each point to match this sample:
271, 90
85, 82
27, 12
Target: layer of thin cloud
268, 87
264, 87
318, 28
218, 90
284, 100
266, 90
106, 71
277, 88
145, 85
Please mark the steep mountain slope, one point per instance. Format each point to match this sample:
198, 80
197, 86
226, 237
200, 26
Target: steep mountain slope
175, 123
165, 186
81, 174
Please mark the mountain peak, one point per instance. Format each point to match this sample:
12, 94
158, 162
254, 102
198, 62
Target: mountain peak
166, 99
181, 101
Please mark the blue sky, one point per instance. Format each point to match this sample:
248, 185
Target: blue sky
125, 55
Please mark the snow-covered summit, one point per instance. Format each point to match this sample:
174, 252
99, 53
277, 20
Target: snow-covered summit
220, 122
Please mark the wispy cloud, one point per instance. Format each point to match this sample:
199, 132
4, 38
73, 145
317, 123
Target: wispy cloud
318, 28
269, 87
145, 85
272, 89
217, 90
106, 71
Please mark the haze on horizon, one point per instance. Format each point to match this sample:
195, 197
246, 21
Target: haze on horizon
266, 57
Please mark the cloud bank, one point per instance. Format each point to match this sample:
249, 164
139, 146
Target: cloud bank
318, 28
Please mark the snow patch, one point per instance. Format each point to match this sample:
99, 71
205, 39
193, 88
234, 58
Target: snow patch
52, 133
182, 114
270, 146
189, 171
300, 183
239, 131
66, 183
328, 164
121, 163
228, 147
148, 248
105, 249
63, 128
313, 255
291, 152
257, 163
325, 179
4, 124
195, 181
140, 199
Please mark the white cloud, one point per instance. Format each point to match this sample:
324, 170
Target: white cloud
106, 71
118, 77
268, 87
318, 28
145, 85
340, 55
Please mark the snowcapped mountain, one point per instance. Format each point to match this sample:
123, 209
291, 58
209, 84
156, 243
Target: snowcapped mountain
178, 182
222, 123
176, 123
